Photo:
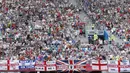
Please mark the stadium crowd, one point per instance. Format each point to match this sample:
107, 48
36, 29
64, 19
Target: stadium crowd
114, 15
40, 30
47, 30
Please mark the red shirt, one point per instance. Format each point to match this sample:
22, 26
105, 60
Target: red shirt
102, 10
14, 25
118, 9
80, 30
6, 9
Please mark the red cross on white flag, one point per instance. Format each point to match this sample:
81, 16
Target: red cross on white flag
100, 65
46, 66
113, 66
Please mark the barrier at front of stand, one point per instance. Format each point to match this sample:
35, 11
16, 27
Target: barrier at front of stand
64, 65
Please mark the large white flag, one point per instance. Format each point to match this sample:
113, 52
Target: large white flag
113, 66
14, 65
3, 65
46, 66
100, 65
125, 66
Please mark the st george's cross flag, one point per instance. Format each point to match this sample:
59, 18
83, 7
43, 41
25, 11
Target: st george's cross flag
113, 66
100, 65
88, 67
124, 66
13, 65
9, 65
71, 66
45, 66
3, 65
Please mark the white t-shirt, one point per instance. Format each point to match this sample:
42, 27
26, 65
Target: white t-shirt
100, 42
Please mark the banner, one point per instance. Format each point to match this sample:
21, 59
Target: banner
27, 65
124, 66
39, 66
65, 65
88, 67
113, 66
61, 65
50, 65
45, 66
119, 66
13, 65
100, 65
3, 65
71, 65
